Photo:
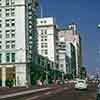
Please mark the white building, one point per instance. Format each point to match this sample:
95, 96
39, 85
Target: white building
46, 28
70, 35
16, 40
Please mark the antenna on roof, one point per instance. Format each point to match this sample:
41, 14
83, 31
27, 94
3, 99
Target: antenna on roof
41, 11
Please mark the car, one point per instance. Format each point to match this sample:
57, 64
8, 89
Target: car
60, 82
81, 84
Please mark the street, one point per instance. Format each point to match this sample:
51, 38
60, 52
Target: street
66, 92
72, 94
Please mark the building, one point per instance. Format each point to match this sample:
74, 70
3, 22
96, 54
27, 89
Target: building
70, 60
46, 28
69, 34
18, 40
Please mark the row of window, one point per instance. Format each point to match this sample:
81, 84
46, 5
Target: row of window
8, 12
43, 32
10, 2
44, 45
8, 22
7, 2
9, 44
10, 57
44, 51
8, 33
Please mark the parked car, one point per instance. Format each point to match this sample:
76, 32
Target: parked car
60, 82
81, 84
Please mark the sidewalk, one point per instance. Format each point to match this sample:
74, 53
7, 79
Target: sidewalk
20, 92
6, 90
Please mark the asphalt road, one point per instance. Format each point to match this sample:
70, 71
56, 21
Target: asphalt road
66, 92
69, 94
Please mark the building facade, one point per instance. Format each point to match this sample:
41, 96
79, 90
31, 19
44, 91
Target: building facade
46, 28
69, 34
17, 40
70, 60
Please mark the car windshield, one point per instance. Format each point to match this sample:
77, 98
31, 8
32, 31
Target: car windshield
81, 81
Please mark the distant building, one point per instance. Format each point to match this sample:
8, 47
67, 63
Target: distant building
46, 28
69, 34
18, 40
70, 59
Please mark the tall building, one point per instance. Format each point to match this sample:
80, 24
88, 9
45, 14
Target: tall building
46, 28
18, 40
70, 60
69, 34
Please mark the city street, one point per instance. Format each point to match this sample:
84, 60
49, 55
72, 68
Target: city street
71, 94
61, 93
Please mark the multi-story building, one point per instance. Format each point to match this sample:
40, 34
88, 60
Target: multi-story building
70, 35
18, 40
46, 28
70, 60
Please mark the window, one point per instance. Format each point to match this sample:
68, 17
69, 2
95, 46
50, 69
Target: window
12, 2
0, 12
41, 32
13, 44
0, 44
46, 45
41, 22
7, 12
46, 52
13, 57
0, 23
0, 36
7, 22
12, 22
45, 31
7, 33
7, 44
0, 58
7, 2
12, 11
7, 57
45, 21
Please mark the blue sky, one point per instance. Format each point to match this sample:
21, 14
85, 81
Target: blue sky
86, 14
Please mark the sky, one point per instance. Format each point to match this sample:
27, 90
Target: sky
86, 14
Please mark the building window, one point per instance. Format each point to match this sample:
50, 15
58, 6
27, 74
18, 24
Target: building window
46, 45
13, 44
41, 32
7, 2
12, 11
7, 10
0, 23
7, 44
45, 21
46, 52
0, 44
12, 2
7, 22
0, 58
41, 22
0, 36
7, 33
13, 33
7, 57
0, 12
45, 31
13, 57
12, 22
